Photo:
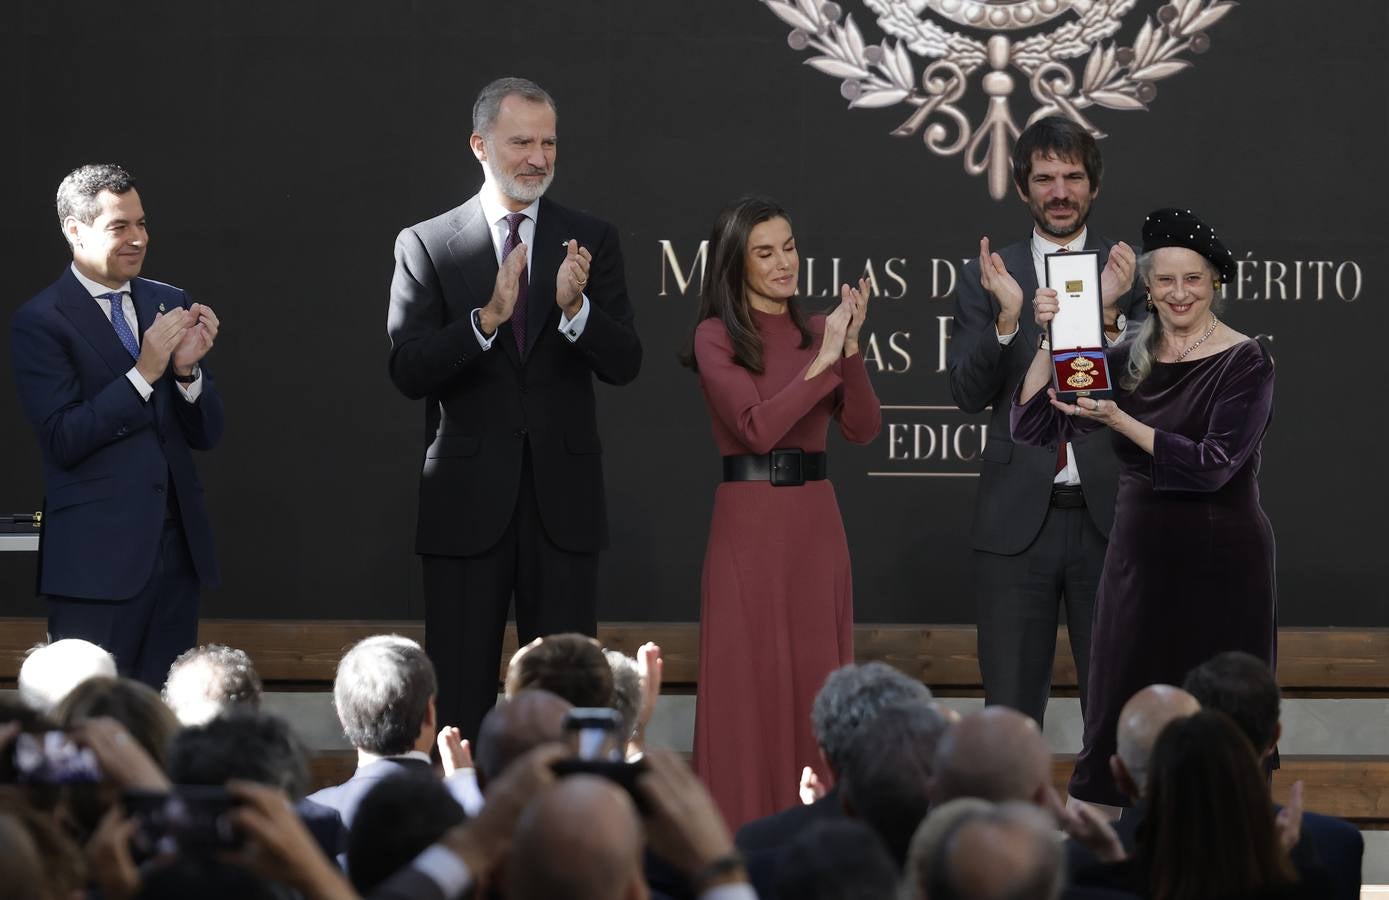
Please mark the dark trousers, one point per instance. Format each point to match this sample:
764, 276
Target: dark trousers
466, 600
148, 631
1019, 601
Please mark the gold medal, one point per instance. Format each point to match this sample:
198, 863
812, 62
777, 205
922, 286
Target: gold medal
1081, 364
1080, 380
1075, 287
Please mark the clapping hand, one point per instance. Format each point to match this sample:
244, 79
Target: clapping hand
836, 331
996, 279
1117, 276
160, 342
811, 787
505, 290
454, 752
651, 668
1088, 827
857, 298
197, 340
572, 277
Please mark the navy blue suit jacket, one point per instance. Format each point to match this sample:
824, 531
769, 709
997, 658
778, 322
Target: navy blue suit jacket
109, 457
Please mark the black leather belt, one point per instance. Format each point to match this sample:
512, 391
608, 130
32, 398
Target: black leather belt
783, 468
1067, 496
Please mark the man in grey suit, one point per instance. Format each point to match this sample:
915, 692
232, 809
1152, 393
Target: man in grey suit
1042, 516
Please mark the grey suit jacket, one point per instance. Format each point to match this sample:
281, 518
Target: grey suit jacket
1015, 480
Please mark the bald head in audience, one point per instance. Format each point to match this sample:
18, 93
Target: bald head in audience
51, 671
515, 726
1140, 722
580, 840
1008, 853
995, 754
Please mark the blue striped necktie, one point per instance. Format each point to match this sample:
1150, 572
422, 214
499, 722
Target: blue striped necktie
119, 323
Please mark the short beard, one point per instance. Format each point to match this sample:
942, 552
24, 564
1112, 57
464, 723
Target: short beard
514, 189
1041, 220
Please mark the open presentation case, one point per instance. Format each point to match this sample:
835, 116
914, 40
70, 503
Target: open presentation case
1078, 364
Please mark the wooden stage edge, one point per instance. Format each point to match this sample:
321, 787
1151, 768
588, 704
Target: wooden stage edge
1330, 662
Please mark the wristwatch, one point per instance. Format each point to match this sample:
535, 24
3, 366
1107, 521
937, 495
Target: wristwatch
477, 323
190, 377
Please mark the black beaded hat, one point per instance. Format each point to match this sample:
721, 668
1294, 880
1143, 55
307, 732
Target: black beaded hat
1179, 228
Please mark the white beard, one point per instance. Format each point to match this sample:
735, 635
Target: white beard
516, 189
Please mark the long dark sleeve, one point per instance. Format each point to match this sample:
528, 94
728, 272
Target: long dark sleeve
1238, 420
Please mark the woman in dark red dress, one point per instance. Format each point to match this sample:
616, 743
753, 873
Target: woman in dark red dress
1189, 571
777, 595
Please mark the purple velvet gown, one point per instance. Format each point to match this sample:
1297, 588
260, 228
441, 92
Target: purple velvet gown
1189, 572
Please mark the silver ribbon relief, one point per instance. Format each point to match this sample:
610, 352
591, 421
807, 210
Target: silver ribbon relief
881, 75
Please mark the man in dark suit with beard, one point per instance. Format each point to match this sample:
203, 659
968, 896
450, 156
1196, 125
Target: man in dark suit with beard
1042, 516
503, 311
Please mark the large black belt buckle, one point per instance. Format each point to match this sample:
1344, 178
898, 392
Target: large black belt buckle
788, 467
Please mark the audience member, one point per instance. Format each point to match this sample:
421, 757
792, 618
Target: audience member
1209, 830
925, 848
835, 859
1140, 722
398, 819
886, 778
1008, 852
581, 840
1243, 688
255, 746
514, 727
207, 680
995, 754
242, 744
50, 671
132, 703
627, 692
571, 666
848, 701
384, 695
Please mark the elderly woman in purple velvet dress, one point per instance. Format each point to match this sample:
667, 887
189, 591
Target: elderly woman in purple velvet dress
1189, 572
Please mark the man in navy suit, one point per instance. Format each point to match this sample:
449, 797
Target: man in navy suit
503, 312
108, 367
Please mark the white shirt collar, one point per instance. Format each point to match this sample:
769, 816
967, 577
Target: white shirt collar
495, 212
94, 288
1041, 246
365, 759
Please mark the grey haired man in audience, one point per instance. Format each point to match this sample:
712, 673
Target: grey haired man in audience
384, 695
847, 702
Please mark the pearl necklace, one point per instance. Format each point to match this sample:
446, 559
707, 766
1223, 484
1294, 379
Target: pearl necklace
1199, 341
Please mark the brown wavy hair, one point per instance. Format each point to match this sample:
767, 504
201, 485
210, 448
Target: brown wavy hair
723, 293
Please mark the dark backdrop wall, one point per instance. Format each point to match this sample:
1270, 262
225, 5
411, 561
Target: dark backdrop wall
281, 145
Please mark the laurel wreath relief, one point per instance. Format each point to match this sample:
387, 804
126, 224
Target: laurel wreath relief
883, 74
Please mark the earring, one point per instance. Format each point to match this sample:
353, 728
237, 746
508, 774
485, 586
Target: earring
1150, 304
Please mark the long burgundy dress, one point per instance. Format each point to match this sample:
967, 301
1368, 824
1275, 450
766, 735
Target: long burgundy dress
1189, 572
777, 596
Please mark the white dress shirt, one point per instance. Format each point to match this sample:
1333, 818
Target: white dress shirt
496, 214
190, 391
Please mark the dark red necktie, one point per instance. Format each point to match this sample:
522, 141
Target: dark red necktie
518, 312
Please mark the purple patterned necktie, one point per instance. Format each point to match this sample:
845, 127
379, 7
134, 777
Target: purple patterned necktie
118, 322
518, 312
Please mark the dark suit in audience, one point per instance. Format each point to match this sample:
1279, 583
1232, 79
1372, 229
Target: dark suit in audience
771, 832
346, 797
